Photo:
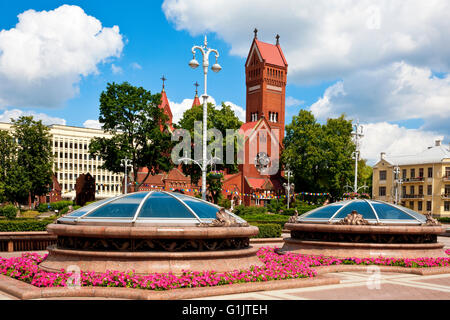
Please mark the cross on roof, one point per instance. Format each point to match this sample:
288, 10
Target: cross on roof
278, 38
163, 79
256, 33
196, 86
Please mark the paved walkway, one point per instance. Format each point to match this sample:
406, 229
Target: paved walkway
369, 285
361, 286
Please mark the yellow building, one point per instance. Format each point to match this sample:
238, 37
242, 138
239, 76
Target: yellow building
422, 182
70, 146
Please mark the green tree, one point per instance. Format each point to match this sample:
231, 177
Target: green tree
34, 158
6, 159
139, 131
222, 118
319, 155
214, 183
365, 173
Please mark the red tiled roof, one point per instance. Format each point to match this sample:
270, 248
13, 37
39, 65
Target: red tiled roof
196, 101
256, 183
271, 53
248, 126
166, 107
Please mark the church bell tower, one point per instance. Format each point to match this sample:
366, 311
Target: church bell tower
266, 74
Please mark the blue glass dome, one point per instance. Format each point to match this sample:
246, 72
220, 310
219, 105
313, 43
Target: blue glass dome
151, 207
373, 211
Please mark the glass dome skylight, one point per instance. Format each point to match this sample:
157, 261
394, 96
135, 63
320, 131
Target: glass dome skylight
373, 211
147, 207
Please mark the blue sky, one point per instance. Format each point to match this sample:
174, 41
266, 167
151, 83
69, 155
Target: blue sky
370, 61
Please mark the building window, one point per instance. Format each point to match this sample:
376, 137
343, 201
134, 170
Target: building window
404, 173
430, 172
411, 205
413, 173
420, 172
428, 205
403, 190
447, 172
446, 205
419, 206
429, 190
411, 190
447, 190
421, 190
382, 191
383, 175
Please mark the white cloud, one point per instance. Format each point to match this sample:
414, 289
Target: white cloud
7, 115
238, 110
332, 38
397, 92
136, 66
293, 102
93, 124
179, 108
116, 69
394, 140
43, 58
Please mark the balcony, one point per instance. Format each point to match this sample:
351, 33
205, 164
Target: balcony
445, 196
446, 177
412, 180
412, 196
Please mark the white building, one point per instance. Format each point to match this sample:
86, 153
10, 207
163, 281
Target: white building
70, 147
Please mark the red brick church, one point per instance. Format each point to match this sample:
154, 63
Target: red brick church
260, 176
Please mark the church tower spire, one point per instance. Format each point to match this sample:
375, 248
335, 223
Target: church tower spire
266, 75
196, 101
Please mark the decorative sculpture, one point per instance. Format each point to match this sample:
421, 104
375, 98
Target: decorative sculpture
293, 219
353, 218
223, 219
431, 221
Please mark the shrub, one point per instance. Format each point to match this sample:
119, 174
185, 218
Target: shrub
9, 211
66, 209
224, 202
276, 206
59, 205
24, 225
288, 212
241, 210
43, 207
268, 230
444, 219
30, 214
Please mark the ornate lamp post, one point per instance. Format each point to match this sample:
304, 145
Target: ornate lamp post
398, 182
216, 68
357, 134
288, 186
126, 163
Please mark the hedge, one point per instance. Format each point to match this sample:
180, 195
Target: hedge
241, 210
9, 211
24, 225
444, 219
59, 205
268, 230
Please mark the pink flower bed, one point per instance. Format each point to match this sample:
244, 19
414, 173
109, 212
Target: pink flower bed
276, 267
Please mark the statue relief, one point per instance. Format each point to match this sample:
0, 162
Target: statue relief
353, 218
223, 219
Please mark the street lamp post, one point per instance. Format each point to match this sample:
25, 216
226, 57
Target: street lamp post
126, 163
216, 68
398, 182
357, 134
288, 187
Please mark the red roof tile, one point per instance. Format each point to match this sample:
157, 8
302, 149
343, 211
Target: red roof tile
271, 53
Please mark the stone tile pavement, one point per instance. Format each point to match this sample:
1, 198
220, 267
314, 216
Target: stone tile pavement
361, 286
369, 285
